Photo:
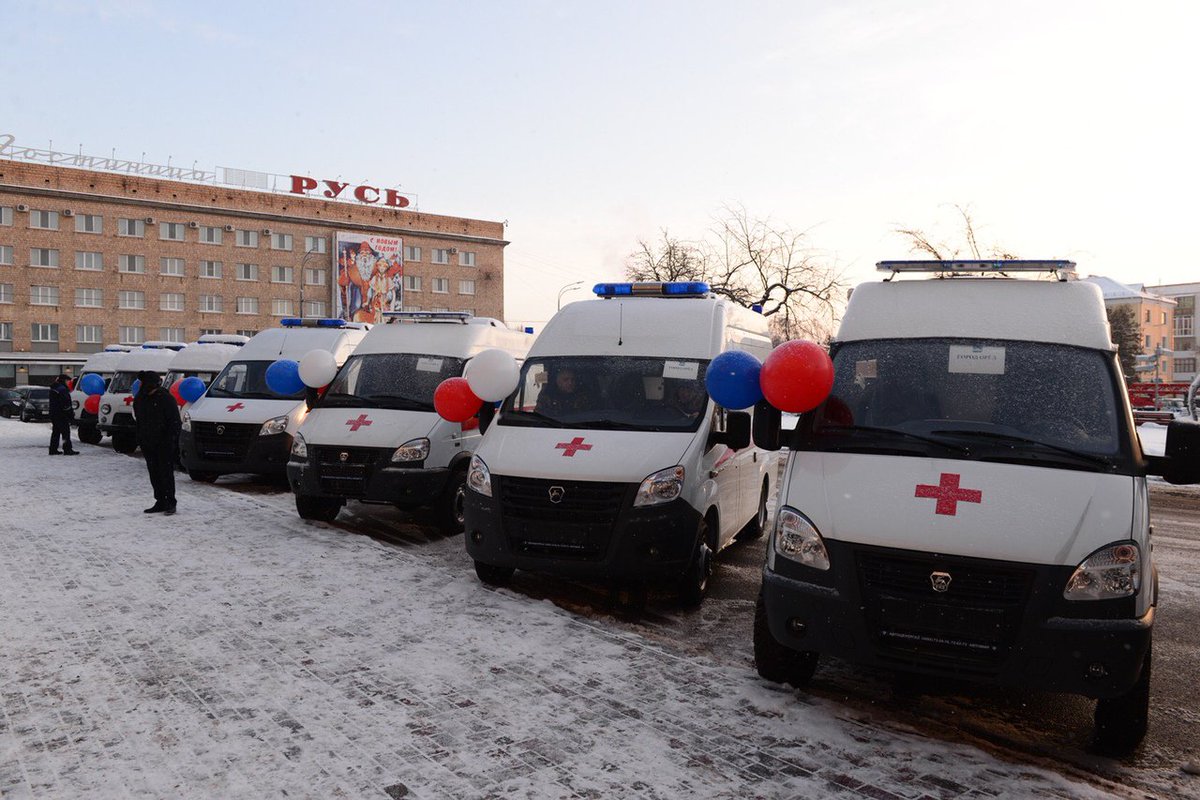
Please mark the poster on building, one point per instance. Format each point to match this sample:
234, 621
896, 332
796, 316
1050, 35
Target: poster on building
369, 273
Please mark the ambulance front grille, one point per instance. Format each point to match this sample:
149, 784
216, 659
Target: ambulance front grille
344, 471
560, 519
223, 441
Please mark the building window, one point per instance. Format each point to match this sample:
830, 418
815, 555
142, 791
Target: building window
466, 259
170, 301
47, 220
5, 331
131, 227
441, 256
1147, 315
246, 239
439, 309
412, 283
210, 331
281, 241
43, 257
441, 285
210, 303
315, 277
89, 223
210, 234
282, 308
210, 269
171, 334
316, 244
131, 334
1185, 343
93, 262
43, 332
6, 292
315, 308
247, 305
6, 217
466, 287
281, 274
131, 264
6, 255
247, 272
1183, 325
171, 231
171, 266
412, 254
43, 295
89, 298
247, 332
131, 299
1185, 365
89, 334
412, 308
1163, 321
1147, 341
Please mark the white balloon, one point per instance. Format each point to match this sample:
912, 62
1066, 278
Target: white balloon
492, 375
317, 368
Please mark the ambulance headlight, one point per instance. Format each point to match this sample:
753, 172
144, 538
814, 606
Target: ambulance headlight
106, 408
299, 448
478, 477
1109, 573
274, 426
797, 539
185, 422
661, 487
412, 450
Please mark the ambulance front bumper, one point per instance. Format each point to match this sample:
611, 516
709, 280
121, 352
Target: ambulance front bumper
383, 482
234, 452
999, 628
119, 422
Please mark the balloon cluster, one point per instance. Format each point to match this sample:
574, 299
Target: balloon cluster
92, 404
191, 389
137, 387
91, 384
316, 369
795, 378
489, 377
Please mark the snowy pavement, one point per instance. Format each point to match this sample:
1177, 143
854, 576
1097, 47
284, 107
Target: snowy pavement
236, 651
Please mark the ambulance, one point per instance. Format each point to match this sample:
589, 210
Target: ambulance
374, 436
970, 501
205, 358
104, 364
240, 424
609, 462
116, 404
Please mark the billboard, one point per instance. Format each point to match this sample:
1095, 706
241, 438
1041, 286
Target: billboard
369, 272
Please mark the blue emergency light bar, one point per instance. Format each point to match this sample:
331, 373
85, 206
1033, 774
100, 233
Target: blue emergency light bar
668, 289
300, 322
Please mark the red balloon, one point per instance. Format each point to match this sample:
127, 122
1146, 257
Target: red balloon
92, 404
174, 390
797, 376
455, 401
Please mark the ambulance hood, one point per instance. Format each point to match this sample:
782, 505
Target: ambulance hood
1009, 512
584, 455
226, 409
366, 427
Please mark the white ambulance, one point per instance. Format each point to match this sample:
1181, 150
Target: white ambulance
609, 461
374, 436
240, 424
205, 358
971, 501
116, 404
104, 364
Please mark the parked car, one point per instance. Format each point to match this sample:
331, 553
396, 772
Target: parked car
10, 403
35, 403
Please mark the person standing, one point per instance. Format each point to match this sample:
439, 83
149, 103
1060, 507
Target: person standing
157, 418
61, 415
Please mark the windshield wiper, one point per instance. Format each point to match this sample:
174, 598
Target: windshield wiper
610, 424
897, 432
1013, 438
536, 415
399, 401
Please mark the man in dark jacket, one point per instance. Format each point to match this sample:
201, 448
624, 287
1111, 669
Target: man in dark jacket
157, 418
60, 417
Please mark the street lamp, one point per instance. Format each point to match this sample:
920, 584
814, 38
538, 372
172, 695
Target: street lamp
566, 289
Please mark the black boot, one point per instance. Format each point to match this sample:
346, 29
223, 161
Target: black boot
55, 453
70, 452
157, 508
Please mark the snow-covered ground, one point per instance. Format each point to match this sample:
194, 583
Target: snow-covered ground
236, 651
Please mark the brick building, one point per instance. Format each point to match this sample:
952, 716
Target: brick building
90, 258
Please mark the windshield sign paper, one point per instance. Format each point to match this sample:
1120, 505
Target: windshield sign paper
977, 359
681, 370
429, 364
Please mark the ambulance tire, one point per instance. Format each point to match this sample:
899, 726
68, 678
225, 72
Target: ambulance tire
450, 515
492, 574
756, 527
322, 509
200, 476
124, 442
693, 586
1121, 722
776, 662
90, 434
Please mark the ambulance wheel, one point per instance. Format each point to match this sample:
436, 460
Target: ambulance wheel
776, 662
90, 434
755, 527
450, 512
322, 509
1121, 722
124, 442
492, 574
200, 476
694, 585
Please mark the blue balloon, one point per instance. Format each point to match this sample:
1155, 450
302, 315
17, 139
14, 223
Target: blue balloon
191, 389
133, 390
732, 379
283, 377
91, 384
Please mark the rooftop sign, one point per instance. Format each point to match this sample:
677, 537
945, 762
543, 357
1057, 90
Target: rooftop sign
9, 149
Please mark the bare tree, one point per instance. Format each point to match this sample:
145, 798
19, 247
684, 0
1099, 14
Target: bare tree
922, 243
753, 263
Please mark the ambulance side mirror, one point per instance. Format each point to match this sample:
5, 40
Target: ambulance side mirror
1181, 464
487, 413
737, 431
311, 396
767, 425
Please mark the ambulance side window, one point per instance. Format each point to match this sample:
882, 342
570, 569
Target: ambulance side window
234, 379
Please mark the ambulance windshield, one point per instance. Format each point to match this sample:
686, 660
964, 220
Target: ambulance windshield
122, 382
609, 393
247, 380
402, 381
992, 400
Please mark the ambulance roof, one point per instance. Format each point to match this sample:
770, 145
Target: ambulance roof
155, 359
204, 357
1064, 312
454, 338
294, 342
104, 361
674, 327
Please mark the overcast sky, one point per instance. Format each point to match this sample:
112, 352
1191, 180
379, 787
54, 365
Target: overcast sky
1068, 128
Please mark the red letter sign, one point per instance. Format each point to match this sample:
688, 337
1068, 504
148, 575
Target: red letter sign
301, 184
394, 199
360, 194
